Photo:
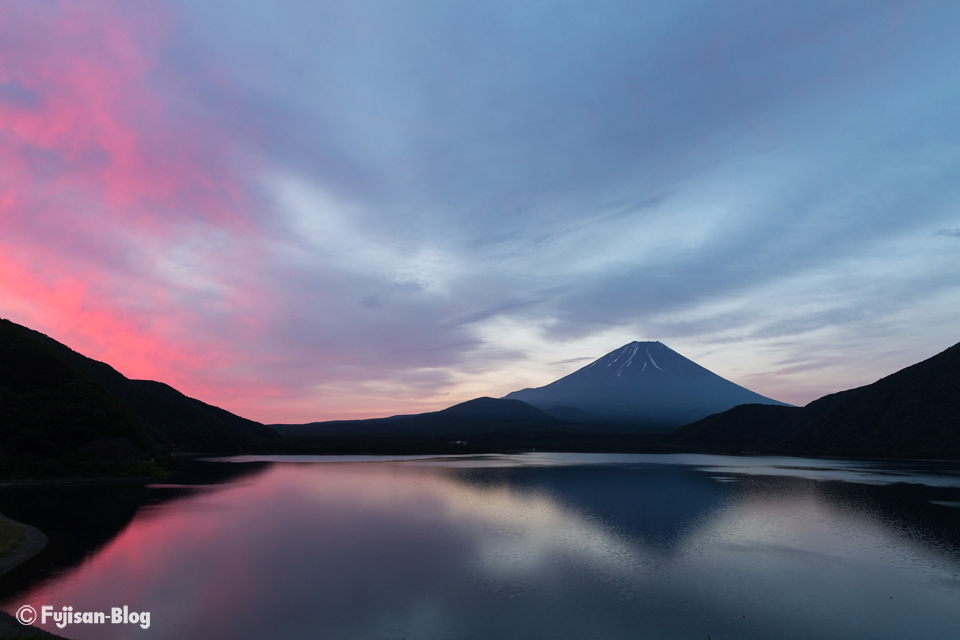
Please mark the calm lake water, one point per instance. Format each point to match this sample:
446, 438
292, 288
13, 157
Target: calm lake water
506, 546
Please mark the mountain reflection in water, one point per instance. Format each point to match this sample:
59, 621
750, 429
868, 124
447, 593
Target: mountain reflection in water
528, 546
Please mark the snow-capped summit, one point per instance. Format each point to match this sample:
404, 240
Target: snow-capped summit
645, 382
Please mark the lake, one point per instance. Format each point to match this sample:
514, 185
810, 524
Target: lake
534, 545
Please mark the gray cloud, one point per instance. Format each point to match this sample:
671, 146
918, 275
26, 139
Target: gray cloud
582, 167
17, 95
574, 360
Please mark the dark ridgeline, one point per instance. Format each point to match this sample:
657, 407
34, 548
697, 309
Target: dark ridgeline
641, 388
481, 424
913, 413
60, 405
641, 382
475, 426
172, 419
473, 418
56, 420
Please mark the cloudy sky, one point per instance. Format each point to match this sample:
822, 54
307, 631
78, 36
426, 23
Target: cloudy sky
311, 210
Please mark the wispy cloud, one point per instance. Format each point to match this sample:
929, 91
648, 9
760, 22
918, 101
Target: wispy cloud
287, 208
574, 360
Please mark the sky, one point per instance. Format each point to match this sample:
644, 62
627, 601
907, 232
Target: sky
313, 210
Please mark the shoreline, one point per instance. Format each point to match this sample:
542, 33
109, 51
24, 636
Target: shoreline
427, 452
33, 543
56, 481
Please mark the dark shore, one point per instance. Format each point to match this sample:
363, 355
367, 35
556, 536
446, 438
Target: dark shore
33, 543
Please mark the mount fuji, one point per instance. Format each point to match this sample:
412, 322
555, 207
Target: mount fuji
640, 382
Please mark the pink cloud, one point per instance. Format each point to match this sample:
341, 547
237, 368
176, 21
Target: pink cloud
103, 180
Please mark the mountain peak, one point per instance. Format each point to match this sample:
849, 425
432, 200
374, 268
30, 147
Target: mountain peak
633, 360
643, 381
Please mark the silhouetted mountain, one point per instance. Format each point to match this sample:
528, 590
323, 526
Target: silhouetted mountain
467, 419
570, 414
748, 427
171, 418
55, 419
913, 413
642, 382
56, 404
493, 409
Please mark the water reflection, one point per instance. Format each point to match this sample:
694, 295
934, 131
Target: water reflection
81, 518
650, 504
539, 546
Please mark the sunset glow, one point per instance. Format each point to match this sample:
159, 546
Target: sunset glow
306, 211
